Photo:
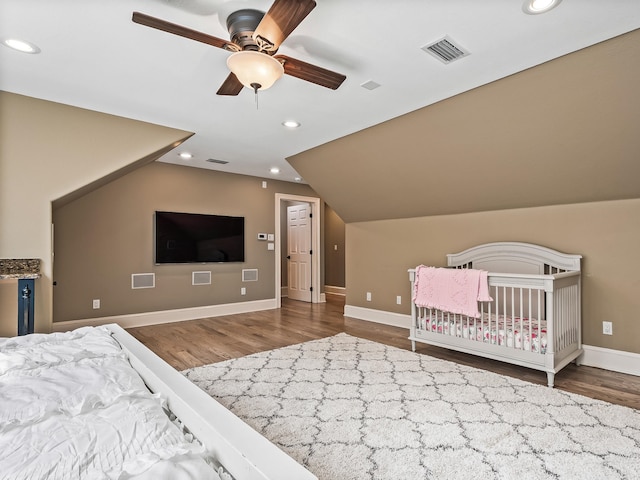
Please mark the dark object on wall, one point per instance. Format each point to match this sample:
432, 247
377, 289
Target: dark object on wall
198, 238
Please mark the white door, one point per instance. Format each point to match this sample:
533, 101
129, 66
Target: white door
299, 252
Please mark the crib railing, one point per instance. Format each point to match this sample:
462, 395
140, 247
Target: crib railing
533, 313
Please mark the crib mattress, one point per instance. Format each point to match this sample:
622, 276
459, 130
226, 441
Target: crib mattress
513, 332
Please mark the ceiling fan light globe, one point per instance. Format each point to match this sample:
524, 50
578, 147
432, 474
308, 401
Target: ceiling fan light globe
253, 67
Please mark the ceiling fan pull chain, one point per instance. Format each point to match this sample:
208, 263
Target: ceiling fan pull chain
255, 87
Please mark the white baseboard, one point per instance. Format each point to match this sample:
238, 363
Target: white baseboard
378, 316
168, 316
605, 358
614, 360
331, 290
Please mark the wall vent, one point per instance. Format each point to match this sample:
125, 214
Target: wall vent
143, 280
200, 278
445, 50
250, 275
219, 162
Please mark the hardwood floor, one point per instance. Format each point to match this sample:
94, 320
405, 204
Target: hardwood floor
199, 342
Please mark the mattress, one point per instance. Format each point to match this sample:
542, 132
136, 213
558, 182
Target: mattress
513, 332
72, 407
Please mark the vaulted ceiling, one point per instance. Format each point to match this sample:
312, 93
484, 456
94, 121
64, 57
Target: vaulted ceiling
93, 56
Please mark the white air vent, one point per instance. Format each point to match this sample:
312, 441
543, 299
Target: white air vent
219, 162
200, 278
445, 50
143, 280
370, 85
250, 275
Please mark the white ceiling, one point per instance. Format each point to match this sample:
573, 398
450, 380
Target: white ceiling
93, 56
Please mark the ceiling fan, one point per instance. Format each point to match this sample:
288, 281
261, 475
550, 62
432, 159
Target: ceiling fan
254, 40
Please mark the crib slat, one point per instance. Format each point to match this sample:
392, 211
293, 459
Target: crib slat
515, 294
521, 326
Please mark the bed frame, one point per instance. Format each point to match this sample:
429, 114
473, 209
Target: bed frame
525, 281
239, 449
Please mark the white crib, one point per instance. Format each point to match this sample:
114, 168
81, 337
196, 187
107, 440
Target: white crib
534, 319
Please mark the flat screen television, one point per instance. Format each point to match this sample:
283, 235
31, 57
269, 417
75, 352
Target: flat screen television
198, 238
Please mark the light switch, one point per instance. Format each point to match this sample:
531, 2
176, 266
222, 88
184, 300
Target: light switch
271, 246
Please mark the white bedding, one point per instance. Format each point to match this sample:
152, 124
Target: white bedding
71, 407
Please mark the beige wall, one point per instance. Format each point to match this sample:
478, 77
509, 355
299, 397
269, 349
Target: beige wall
606, 234
8, 308
561, 133
47, 151
105, 236
334, 235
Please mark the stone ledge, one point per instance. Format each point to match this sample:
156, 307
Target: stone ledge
21, 268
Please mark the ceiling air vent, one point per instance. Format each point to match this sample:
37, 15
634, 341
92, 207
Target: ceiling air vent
445, 50
370, 85
219, 162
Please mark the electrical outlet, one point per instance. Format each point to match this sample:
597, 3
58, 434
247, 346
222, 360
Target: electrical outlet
243, 291
96, 303
607, 328
399, 300
368, 296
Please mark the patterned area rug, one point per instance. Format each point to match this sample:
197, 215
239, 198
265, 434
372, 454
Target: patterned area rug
352, 409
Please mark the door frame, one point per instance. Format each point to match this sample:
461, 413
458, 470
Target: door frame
281, 198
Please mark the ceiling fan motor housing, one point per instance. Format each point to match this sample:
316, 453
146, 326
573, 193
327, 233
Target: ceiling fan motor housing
241, 25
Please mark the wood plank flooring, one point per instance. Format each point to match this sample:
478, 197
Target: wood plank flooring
199, 342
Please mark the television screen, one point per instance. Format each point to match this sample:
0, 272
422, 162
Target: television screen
198, 238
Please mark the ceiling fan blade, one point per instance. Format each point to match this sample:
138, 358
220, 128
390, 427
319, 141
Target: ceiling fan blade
231, 86
281, 19
311, 73
165, 26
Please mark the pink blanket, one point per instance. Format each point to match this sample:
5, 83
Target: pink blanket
455, 290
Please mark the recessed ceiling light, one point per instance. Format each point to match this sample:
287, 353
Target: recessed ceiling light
291, 124
20, 45
186, 155
298, 179
534, 7
274, 170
